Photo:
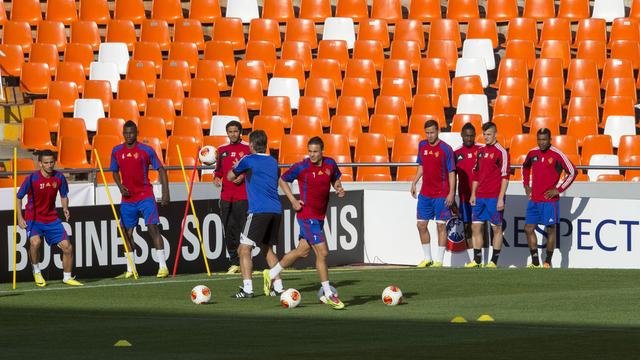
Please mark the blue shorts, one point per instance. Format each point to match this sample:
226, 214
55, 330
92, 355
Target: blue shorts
53, 232
433, 208
486, 210
542, 213
131, 211
312, 231
465, 212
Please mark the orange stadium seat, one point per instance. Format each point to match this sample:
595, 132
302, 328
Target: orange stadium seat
134, 90
334, 49
265, 30
411, 30
316, 10
387, 125
359, 87
73, 72
303, 30
574, 10
188, 126
51, 110
223, 52
64, 11
582, 126
124, 109
483, 29
99, 89
188, 149
132, 10
273, 126
308, 125
110, 126
162, 108
595, 144
85, 32
373, 50
26, 10
463, 10
17, 33
355, 9
11, 63
375, 29
153, 126
205, 11
121, 31
212, 70
290, 69
389, 10
297, 50
72, 154
315, 106
322, 87
167, 10
235, 106
250, 90
95, 10
229, 29
425, 10
262, 51
35, 134
189, 31
280, 10
74, 127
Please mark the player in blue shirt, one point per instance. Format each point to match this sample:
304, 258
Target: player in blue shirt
265, 210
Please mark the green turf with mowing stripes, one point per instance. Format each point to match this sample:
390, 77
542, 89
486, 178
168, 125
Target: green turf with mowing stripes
586, 314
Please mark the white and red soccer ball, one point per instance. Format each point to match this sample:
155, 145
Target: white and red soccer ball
208, 155
200, 295
290, 298
392, 295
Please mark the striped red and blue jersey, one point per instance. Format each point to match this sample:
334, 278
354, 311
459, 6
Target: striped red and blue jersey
492, 166
133, 164
437, 162
42, 192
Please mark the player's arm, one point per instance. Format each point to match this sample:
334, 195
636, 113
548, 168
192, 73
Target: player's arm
337, 186
526, 175
452, 189
115, 169
570, 175
475, 182
65, 208
414, 184
64, 197
504, 182
218, 172
286, 188
21, 222
239, 167
26, 185
164, 182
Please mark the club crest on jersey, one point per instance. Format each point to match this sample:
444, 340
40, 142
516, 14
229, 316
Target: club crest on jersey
233, 154
54, 185
491, 155
241, 154
470, 155
436, 154
550, 160
136, 156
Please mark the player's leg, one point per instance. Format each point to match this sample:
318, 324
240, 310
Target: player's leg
149, 211
442, 214
322, 251
129, 221
532, 218
67, 263
495, 221
228, 228
424, 213
552, 215
477, 236
271, 280
35, 242
252, 230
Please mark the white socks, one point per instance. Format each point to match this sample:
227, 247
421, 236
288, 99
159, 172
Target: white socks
66, 276
247, 286
426, 249
161, 262
441, 250
36, 268
133, 262
277, 285
275, 271
326, 288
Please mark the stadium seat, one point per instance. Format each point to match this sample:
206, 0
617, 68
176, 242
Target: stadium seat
581, 69
72, 154
245, 10
90, 110
550, 86
583, 106
445, 49
170, 89
308, 125
405, 149
207, 89
354, 9
188, 126
546, 106
121, 31
586, 88
124, 109
617, 106
582, 126
463, 10
293, 144
290, 69
156, 31
167, 10
574, 10
301, 30
633, 175
26, 10
52, 32
425, 10
153, 126
285, 87
213, 70
115, 53
143, 70
250, 90
459, 120
85, 32
445, 29
483, 29
252, 69
387, 125
219, 124
522, 29
510, 105
297, 50
397, 69
277, 106
134, 90
621, 87
624, 29
608, 9
98, 89
434, 86
359, 87
62, 10
508, 125
410, 30
104, 145
595, 144
35, 135
265, 30
556, 49
111, 127
221, 51
453, 139
568, 145
354, 106
375, 29
389, 10
426, 107
334, 49
516, 68
273, 126
339, 28
45, 53
603, 160
279, 10
322, 87
501, 10
261, 51
479, 49
400, 87
392, 105
629, 145
235, 106
434, 68
95, 10
539, 9
555, 29
188, 31
520, 146
17, 33
11, 63
315, 106
514, 86
465, 85
326, 68
229, 29
372, 148
617, 126
81, 53
177, 70
132, 10
188, 149
162, 108
521, 49
362, 68
65, 91
474, 104
473, 66
49, 110
539, 122
372, 50
205, 11
316, 10
626, 50
74, 127
590, 30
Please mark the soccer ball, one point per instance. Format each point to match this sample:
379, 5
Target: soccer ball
290, 298
200, 294
321, 296
208, 155
391, 295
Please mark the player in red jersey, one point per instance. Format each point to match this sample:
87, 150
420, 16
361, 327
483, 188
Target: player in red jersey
41, 219
541, 179
490, 181
233, 198
466, 157
315, 175
130, 163
437, 194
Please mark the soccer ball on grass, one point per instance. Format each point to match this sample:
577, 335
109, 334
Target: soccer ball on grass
290, 298
200, 294
392, 295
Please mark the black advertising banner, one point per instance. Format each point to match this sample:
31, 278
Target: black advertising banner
99, 251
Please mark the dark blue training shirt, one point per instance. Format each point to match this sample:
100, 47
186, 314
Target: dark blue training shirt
261, 176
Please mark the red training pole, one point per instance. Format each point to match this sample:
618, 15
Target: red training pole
184, 217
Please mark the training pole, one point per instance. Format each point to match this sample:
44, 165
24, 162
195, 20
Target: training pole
184, 222
193, 209
115, 215
15, 213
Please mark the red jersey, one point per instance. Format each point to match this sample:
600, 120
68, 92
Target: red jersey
465, 161
42, 192
227, 155
491, 167
133, 165
315, 184
437, 162
546, 167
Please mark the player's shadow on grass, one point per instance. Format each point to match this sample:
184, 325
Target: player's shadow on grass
337, 285
363, 299
10, 295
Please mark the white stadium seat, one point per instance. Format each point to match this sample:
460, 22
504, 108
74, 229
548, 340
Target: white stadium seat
246, 10
473, 66
454, 139
480, 48
618, 126
338, 28
474, 104
285, 87
219, 124
116, 53
602, 159
90, 110
608, 9
105, 71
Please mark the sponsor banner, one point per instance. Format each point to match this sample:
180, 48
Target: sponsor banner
99, 251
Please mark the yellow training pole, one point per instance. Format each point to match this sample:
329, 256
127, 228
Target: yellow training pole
15, 213
193, 211
115, 215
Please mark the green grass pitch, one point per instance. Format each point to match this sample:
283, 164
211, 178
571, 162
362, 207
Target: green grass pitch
563, 314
